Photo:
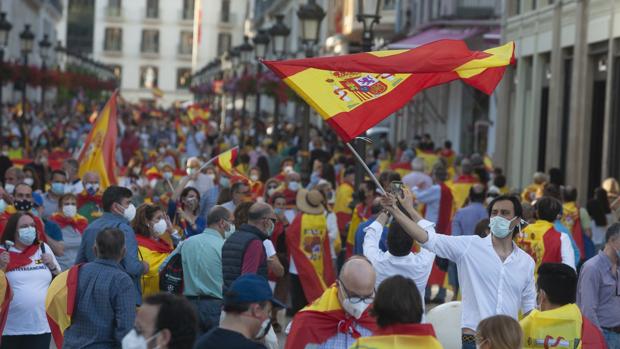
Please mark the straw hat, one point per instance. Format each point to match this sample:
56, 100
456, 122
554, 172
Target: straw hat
310, 201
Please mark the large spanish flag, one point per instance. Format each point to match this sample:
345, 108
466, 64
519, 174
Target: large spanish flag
354, 92
398, 336
322, 320
60, 302
100, 146
226, 161
308, 243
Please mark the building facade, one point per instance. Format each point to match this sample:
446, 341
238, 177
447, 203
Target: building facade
42, 16
556, 106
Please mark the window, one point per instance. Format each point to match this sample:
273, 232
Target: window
183, 77
114, 8
389, 4
186, 42
148, 76
118, 72
113, 39
188, 9
152, 9
225, 11
223, 43
150, 41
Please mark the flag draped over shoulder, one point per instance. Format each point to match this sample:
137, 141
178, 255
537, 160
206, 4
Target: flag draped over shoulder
410, 336
323, 319
98, 154
5, 297
354, 92
60, 302
226, 161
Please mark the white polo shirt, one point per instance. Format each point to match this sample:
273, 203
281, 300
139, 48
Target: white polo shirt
488, 285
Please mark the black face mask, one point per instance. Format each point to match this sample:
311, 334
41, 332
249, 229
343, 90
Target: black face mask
22, 205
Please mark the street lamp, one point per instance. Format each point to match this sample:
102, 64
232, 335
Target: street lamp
261, 41
279, 32
44, 49
5, 29
310, 15
26, 41
368, 14
368, 20
246, 50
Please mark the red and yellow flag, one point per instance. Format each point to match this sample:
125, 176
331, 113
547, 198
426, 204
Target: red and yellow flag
308, 244
60, 302
198, 114
400, 336
5, 296
323, 319
157, 92
354, 92
226, 161
100, 146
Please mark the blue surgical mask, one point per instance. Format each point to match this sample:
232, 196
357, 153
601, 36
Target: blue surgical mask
224, 182
500, 226
278, 210
58, 188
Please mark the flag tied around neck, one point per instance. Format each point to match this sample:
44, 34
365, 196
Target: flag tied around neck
354, 92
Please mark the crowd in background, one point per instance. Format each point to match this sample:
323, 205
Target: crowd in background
220, 228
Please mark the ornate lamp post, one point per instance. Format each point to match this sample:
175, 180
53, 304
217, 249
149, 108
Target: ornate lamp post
245, 50
310, 15
26, 40
44, 49
278, 32
5, 29
261, 42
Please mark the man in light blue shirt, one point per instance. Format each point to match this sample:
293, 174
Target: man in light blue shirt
202, 266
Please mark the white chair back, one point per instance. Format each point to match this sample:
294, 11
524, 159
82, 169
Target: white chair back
446, 319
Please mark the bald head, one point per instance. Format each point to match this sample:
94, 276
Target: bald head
357, 277
261, 215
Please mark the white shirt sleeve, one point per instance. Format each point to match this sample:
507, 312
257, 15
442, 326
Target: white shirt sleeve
371, 242
568, 255
444, 246
48, 250
528, 296
332, 228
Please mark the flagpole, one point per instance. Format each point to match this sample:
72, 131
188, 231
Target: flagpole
361, 161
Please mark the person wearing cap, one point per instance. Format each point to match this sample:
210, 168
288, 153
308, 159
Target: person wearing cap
307, 241
341, 315
438, 201
247, 308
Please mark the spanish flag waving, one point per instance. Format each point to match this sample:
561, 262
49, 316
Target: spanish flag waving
5, 298
100, 146
354, 92
60, 302
226, 161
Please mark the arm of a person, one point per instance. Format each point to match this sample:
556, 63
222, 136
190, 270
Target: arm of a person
57, 247
528, 297
124, 303
587, 294
252, 257
332, 227
133, 266
177, 191
428, 195
584, 217
372, 237
568, 254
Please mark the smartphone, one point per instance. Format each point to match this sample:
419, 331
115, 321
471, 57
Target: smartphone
396, 187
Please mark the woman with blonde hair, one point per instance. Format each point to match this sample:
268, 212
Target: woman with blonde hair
499, 332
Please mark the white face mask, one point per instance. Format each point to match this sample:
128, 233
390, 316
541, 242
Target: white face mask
293, 186
26, 235
69, 210
354, 309
130, 212
29, 181
135, 341
160, 227
2, 205
10, 188
231, 229
168, 175
211, 175
254, 177
500, 226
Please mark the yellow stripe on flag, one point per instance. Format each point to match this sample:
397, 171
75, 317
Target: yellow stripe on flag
499, 56
56, 301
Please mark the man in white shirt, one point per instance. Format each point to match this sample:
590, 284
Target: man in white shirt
197, 179
497, 277
417, 177
398, 259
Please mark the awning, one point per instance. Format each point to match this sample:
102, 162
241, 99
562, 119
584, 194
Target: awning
494, 35
434, 34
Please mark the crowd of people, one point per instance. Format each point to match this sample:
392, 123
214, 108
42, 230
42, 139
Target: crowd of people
183, 253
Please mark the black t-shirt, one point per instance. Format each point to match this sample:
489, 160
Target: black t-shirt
221, 338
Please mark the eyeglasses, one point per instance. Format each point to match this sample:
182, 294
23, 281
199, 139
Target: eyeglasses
356, 299
273, 220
